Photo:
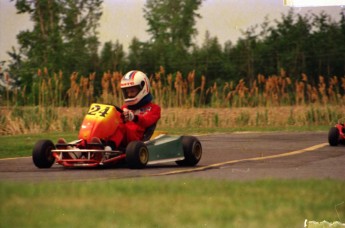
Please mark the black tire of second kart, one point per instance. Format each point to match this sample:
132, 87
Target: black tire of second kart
333, 136
137, 155
42, 155
192, 150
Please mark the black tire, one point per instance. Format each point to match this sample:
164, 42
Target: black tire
42, 155
137, 155
192, 150
333, 136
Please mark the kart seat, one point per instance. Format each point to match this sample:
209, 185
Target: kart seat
149, 132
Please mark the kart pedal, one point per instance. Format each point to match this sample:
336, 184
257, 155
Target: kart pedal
61, 141
62, 144
96, 142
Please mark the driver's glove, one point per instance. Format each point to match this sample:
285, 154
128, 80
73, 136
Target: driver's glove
128, 115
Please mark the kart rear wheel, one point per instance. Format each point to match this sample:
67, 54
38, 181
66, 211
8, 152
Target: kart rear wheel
333, 136
137, 155
42, 155
192, 150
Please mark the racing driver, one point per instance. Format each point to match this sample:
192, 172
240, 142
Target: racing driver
140, 115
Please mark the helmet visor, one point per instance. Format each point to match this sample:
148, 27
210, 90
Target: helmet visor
131, 92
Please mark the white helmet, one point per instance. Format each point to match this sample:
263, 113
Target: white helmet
135, 79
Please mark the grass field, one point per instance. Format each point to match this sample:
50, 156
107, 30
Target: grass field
171, 203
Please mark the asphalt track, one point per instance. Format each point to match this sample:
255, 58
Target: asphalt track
236, 156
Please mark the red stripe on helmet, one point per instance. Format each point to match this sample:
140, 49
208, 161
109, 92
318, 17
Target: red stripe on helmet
132, 74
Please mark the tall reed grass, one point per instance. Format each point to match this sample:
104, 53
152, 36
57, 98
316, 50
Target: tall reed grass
177, 90
186, 101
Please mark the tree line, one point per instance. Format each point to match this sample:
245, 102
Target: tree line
65, 39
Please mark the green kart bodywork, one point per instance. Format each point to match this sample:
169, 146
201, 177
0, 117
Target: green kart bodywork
184, 150
165, 148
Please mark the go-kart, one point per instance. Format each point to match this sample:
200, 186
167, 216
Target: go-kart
101, 122
336, 134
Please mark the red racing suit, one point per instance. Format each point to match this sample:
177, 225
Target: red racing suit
146, 116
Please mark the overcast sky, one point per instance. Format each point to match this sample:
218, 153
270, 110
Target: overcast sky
123, 19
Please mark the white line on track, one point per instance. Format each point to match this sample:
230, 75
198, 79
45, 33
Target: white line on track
216, 165
4, 159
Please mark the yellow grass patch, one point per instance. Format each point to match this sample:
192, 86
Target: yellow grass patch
32, 120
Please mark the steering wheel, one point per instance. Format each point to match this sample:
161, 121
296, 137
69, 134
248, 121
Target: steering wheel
118, 109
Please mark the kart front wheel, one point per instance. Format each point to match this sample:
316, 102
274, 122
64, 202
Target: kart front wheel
333, 136
192, 150
42, 155
137, 155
